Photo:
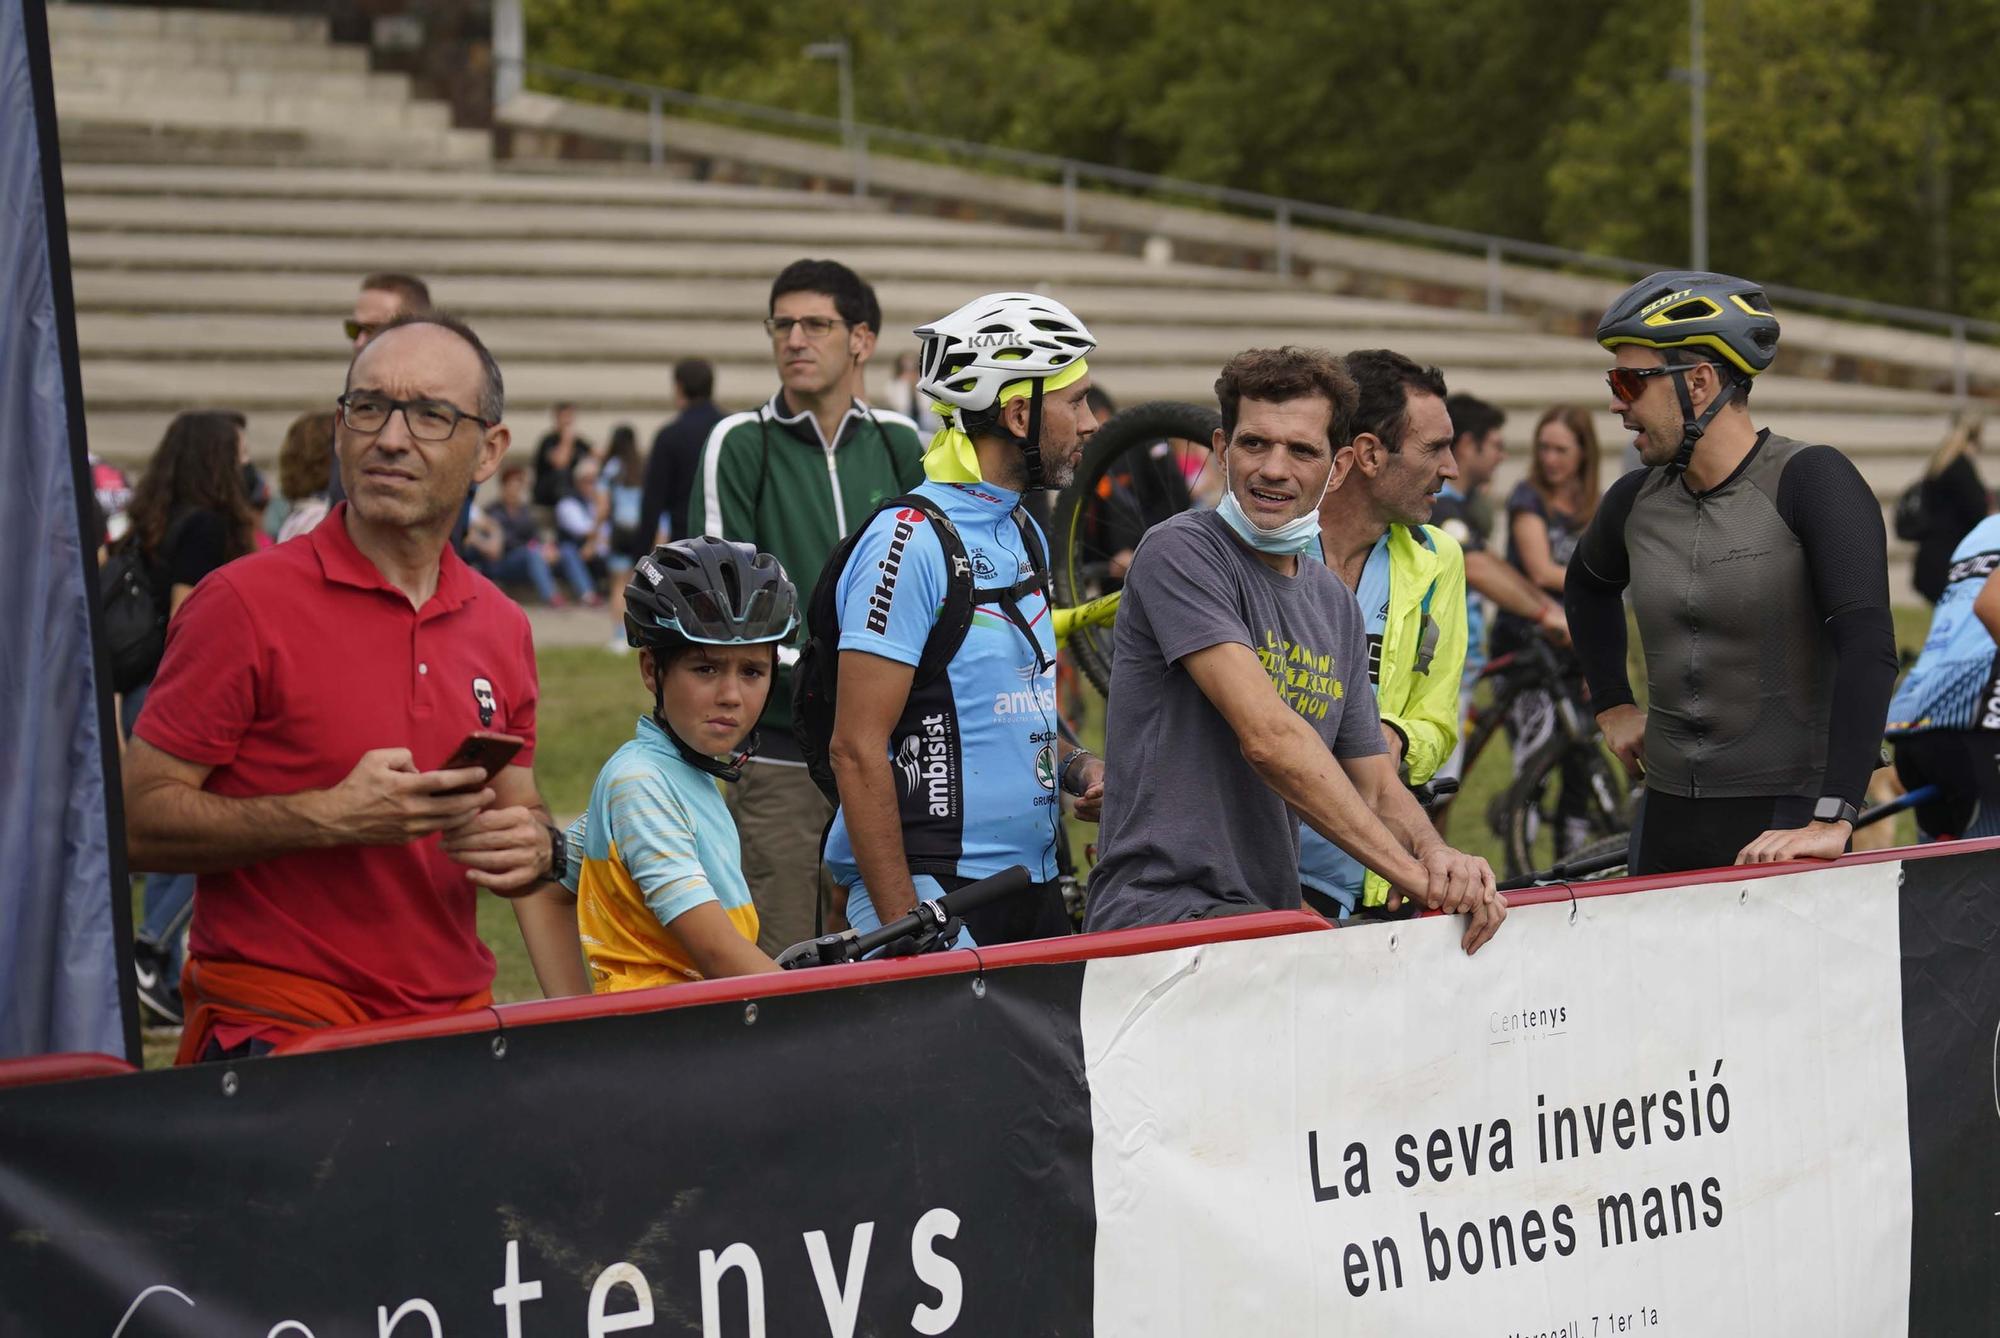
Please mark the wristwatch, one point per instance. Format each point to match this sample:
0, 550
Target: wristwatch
558, 853
1832, 808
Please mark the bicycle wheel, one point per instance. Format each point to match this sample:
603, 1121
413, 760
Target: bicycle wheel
1147, 463
1533, 818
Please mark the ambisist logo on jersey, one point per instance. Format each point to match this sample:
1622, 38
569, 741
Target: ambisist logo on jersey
908, 768
907, 521
1040, 699
940, 785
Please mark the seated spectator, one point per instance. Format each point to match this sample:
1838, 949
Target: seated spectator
1239, 689
623, 484
189, 516
287, 752
525, 555
305, 465
583, 525
660, 887
557, 455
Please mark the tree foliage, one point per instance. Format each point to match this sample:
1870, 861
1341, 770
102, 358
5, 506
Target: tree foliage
1854, 145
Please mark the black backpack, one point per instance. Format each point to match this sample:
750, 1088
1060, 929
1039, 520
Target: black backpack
132, 615
815, 676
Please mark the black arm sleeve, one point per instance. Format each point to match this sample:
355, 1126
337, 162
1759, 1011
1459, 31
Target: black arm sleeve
1827, 503
1598, 573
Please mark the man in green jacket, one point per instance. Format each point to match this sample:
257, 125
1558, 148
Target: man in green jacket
792, 478
1409, 578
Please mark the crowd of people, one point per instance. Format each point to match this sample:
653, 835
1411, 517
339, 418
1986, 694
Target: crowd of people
846, 679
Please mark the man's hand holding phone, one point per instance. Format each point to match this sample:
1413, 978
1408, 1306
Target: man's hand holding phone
386, 801
504, 850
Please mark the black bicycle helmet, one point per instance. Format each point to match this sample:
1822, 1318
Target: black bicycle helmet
710, 591
707, 591
1686, 308
1725, 319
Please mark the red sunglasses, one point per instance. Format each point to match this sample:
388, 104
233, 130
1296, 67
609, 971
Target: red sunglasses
1628, 383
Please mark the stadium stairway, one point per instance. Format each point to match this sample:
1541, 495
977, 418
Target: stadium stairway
214, 262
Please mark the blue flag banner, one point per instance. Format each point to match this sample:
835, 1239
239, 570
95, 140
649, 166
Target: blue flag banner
60, 864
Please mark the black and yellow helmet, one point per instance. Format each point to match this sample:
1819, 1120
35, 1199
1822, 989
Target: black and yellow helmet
1694, 309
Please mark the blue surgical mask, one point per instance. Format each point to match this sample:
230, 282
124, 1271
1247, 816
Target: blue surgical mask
1287, 540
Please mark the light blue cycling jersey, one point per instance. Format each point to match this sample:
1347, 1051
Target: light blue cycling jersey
974, 752
1324, 866
1955, 683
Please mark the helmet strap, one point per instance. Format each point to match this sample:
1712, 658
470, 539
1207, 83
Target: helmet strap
1031, 445
1694, 427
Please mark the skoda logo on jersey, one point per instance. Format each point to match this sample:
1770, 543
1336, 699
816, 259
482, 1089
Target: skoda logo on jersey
482, 693
1045, 767
982, 566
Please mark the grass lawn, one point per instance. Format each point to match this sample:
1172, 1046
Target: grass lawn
591, 699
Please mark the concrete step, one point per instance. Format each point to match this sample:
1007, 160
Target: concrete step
120, 134
506, 186
133, 21
336, 85
971, 267
143, 383
351, 116
419, 216
738, 337
906, 302
140, 52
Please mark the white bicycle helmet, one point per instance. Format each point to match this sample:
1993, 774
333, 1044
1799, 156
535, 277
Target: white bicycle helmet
992, 342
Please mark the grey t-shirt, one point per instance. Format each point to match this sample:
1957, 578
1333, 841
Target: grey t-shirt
1187, 822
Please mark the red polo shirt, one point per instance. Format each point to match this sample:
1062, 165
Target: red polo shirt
282, 669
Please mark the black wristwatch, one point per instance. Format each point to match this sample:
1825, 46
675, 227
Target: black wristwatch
1832, 808
558, 853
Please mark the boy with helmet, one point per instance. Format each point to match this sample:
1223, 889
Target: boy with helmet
661, 896
952, 775
1759, 576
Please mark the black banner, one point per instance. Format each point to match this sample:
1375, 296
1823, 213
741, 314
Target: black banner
879, 1159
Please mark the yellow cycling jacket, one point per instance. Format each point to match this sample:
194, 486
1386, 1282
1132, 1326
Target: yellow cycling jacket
1422, 657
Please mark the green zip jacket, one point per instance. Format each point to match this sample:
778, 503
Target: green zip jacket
769, 478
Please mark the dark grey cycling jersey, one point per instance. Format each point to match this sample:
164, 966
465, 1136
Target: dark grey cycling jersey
1763, 605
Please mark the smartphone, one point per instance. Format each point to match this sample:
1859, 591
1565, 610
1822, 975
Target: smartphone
483, 748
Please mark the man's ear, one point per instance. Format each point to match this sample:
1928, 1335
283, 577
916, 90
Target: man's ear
492, 450
861, 342
1367, 452
1343, 465
1014, 416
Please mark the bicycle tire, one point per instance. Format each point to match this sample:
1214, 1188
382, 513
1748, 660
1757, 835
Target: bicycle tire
1524, 798
1077, 567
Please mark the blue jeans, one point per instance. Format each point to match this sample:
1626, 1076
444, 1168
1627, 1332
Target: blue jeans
526, 563
166, 895
574, 571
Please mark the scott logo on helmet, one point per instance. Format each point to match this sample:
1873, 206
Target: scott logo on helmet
892, 563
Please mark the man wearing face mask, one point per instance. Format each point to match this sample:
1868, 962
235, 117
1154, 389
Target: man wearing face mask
1240, 689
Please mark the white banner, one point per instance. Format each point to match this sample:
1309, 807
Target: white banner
1677, 1114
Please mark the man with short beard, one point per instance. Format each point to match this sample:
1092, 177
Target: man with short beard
953, 775
1239, 699
792, 478
288, 750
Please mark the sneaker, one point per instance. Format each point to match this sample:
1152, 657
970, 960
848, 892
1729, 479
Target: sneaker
159, 994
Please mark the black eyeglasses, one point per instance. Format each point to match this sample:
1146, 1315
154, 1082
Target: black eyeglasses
1628, 383
428, 420
817, 327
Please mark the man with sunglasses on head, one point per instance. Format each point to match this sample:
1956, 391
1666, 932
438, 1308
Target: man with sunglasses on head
1758, 568
792, 478
292, 749
384, 297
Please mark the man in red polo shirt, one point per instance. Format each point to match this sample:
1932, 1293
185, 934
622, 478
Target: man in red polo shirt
286, 753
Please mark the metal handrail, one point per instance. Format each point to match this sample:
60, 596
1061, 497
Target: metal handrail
1283, 211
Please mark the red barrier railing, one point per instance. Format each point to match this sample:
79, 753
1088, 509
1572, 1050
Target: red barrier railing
1118, 943
61, 1068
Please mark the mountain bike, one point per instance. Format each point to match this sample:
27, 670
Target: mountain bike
929, 928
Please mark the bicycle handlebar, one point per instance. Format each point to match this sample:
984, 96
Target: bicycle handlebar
927, 921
